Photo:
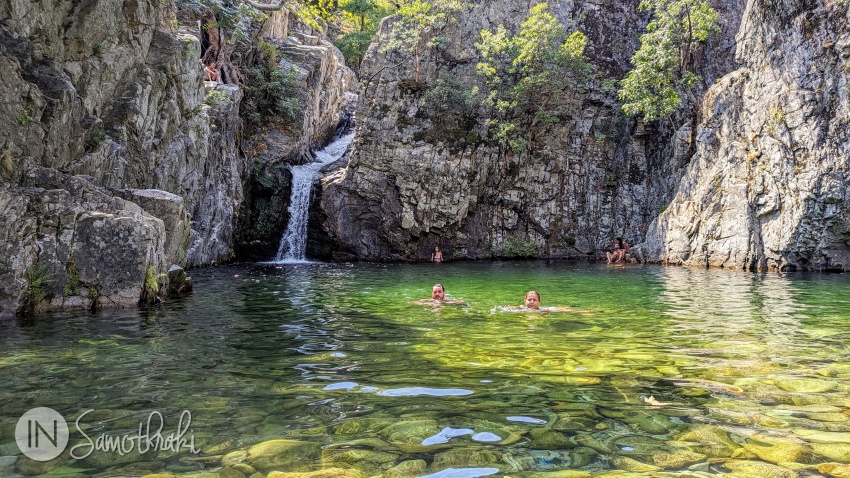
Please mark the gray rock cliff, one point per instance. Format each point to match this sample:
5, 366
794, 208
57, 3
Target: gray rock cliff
417, 179
116, 160
768, 185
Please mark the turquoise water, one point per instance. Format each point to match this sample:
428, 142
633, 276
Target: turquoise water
304, 367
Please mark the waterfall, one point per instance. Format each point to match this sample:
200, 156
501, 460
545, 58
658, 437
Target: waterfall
293, 244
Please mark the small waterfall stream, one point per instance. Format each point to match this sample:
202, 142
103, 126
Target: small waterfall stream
293, 244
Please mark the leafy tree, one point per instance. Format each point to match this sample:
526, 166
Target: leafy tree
528, 72
419, 20
664, 62
361, 9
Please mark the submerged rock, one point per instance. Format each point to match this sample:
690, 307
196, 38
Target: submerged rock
328, 473
760, 469
836, 470
282, 454
407, 469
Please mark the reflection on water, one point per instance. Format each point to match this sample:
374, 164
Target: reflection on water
312, 366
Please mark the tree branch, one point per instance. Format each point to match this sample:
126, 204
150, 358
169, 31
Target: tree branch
266, 7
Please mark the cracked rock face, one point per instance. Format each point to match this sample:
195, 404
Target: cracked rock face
112, 167
419, 178
768, 185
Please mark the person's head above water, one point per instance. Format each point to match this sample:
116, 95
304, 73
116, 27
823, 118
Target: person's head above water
532, 299
438, 292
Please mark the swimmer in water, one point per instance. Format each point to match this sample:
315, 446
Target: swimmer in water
438, 297
531, 303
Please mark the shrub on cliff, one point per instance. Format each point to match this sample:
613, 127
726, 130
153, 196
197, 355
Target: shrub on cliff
528, 75
664, 63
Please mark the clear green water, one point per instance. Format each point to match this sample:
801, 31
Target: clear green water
746, 372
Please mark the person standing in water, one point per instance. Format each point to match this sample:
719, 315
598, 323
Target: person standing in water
437, 255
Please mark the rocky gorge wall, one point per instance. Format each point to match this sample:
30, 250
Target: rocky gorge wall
114, 167
419, 178
768, 185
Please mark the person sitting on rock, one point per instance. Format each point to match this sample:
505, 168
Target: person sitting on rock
621, 248
211, 72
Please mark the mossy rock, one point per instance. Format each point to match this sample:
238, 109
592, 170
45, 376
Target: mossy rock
370, 462
407, 469
630, 464
328, 473
710, 440
757, 468
542, 439
573, 423
835, 470
590, 442
582, 456
675, 459
833, 451
817, 436
465, 458
234, 457
805, 385
29, 467
246, 470
409, 434
282, 454
652, 423
776, 449
360, 426
555, 474
160, 475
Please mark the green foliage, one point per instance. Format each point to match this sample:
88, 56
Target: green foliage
270, 53
216, 97
97, 48
95, 139
449, 97
24, 119
272, 93
662, 64
151, 288
72, 283
353, 46
233, 16
526, 73
38, 279
516, 247
417, 27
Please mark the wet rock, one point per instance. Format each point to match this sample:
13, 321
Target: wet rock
542, 439
833, 451
178, 281
328, 473
407, 469
465, 458
760, 469
709, 440
675, 459
630, 464
409, 434
370, 462
777, 449
836, 470
282, 454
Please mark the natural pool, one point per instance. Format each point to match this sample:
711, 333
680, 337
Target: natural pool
668, 372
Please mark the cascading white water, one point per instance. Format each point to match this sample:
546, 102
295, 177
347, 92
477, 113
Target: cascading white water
293, 244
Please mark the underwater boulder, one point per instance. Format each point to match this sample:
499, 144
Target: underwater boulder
282, 454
